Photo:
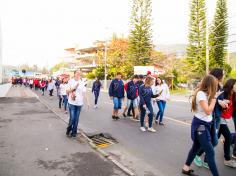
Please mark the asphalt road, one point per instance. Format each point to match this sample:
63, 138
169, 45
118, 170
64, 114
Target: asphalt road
33, 142
161, 154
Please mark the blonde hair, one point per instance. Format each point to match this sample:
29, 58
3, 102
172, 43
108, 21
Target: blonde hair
207, 85
149, 80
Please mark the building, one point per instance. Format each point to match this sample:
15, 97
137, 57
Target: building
89, 58
84, 58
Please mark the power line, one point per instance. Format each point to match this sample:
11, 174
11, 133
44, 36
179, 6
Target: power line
224, 36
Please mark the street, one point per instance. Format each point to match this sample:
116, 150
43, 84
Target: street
161, 153
33, 142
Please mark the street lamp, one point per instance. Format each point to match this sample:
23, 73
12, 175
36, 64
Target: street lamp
105, 57
1, 70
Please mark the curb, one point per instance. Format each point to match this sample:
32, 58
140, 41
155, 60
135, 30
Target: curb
5, 91
92, 145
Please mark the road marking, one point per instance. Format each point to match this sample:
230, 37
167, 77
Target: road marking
184, 101
177, 121
169, 118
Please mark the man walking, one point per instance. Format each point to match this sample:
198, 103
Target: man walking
117, 94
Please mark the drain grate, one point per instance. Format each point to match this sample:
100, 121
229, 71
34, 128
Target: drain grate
102, 140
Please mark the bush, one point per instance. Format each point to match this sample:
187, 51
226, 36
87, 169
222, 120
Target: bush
90, 75
233, 74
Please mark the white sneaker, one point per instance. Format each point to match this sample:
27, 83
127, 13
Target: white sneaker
152, 130
95, 106
142, 129
230, 163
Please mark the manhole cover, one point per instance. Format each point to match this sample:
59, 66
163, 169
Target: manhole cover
102, 140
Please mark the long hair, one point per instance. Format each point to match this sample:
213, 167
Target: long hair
156, 82
228, 87
207, 85
148, 81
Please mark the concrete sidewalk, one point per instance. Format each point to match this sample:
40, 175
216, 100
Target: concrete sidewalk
4, 88
33, 142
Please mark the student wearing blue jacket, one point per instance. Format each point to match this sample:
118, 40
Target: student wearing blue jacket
117, 94
132, 96
96, 90
146, 95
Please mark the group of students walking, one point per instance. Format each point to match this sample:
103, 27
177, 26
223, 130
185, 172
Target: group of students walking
143, 93
213, 106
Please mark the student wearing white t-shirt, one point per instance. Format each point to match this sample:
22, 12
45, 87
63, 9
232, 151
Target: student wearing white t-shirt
203, 104
62, 88
77, 94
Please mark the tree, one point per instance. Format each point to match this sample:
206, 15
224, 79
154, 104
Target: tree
196, 50
219, 35
118, 60
140, 38
58, 66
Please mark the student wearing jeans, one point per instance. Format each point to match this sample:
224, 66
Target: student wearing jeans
77, 93
218, 73
96, 90
146, 95
203, 104
132, 96
117, 94
161, 100
229, 94
63, 94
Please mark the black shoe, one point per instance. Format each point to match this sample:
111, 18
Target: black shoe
190, 172
113, 117
124, 115
117, 118
129, 115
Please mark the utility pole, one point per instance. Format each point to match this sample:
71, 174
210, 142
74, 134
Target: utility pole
105, 57
1, 67
207, 46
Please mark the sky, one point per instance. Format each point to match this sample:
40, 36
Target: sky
38, 31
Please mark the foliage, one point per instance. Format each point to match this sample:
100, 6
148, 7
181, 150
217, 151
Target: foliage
233, 74
140, 38
219, 35
90, 75
58, 66
196, 49
227, 68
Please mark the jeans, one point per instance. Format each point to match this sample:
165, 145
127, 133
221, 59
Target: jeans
96, 94
233, 135
74, 119
43, 89
117, 103
131, 108
65, 99
224, 130
143, 113
161, 105
234, 119
57, 87
202, 142
215, 126
50, 92
60, 101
